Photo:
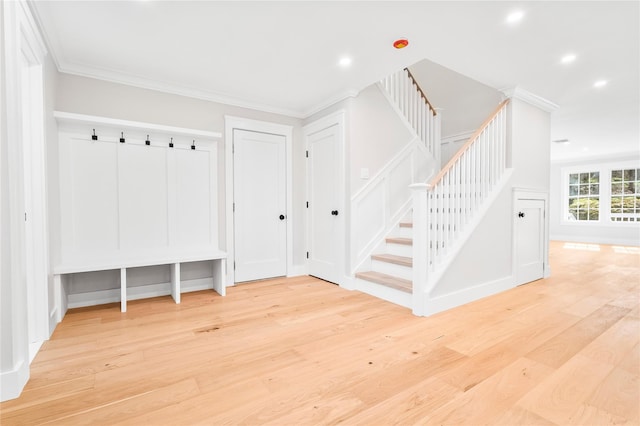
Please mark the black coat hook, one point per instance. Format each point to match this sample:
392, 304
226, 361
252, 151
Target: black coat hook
121, 137
193, 145
147, 142
94, 137
171, 143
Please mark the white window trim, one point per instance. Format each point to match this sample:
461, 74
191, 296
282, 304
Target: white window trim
604, 169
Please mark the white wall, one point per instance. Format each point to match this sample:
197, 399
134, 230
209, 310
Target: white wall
465, 103
376, 134
96, 97
603, 233
530, 146
374, 131
486, 259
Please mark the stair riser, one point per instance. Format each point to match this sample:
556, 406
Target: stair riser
389, 294
399, 249
399, 271
403, 232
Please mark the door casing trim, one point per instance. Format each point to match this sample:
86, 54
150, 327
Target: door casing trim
230, 124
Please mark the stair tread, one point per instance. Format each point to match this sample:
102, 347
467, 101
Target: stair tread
393, 258
400, 240
406, 224
386, 280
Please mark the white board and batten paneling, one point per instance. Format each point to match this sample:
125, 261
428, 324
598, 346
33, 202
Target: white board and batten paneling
378, 206
132, 203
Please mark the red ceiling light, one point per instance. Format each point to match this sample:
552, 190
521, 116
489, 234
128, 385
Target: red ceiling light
401, 43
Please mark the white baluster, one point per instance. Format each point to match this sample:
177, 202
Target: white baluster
445, 212
456, 223
483, 164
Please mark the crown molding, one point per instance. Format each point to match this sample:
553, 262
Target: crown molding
52, 45
330, 102
530, 98
145, 83
160, 86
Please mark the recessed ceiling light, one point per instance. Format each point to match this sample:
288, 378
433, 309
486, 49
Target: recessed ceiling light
515, 17
567, 59
345, 62
600, 83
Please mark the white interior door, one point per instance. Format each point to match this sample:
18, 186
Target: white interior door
529, 240
324, 203
259, 191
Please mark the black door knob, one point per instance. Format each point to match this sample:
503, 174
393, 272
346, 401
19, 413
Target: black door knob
281, 217
520, 214
334, 212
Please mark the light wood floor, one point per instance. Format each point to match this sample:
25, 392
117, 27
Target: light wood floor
300, 351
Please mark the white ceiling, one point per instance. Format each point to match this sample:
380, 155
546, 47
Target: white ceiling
283, 56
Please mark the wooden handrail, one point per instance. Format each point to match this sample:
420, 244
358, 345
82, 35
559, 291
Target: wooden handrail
467, 144
413, 79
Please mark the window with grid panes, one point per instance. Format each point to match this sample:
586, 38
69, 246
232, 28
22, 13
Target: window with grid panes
625, 195
584, 196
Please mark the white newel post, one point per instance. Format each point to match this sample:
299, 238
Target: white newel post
420, 192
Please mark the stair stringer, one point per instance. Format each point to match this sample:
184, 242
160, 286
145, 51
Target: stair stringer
425, 303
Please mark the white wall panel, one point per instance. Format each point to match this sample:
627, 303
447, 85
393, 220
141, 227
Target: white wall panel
194, 191
369, 218
131, 200
142, 196
400, 178
93, 194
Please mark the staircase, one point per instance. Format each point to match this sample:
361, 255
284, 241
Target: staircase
391, 274
393, 268
445, 210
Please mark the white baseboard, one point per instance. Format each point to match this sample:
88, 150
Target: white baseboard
13, 381
436, 304
348, 283
53, 320
631, 241
297, 270
101, 297
34, 348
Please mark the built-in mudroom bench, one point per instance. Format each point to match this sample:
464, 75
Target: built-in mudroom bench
138, 212
217, 260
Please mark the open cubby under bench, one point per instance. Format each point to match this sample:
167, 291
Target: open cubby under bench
218, 259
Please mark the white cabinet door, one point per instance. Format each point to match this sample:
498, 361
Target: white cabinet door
259, 191
529, 240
